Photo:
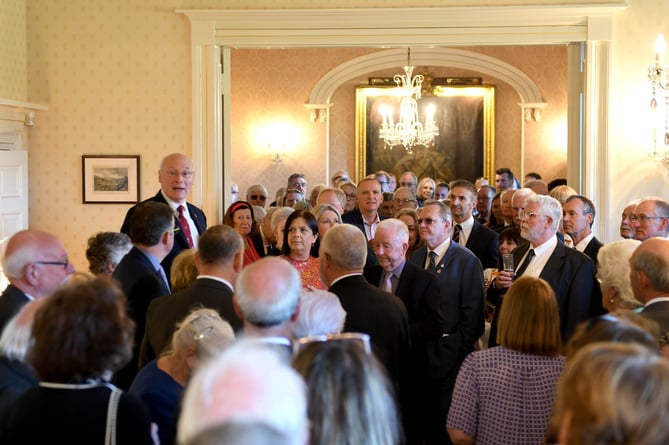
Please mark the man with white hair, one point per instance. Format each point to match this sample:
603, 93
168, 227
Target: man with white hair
249, 382
569, 272
320, 314
36, 264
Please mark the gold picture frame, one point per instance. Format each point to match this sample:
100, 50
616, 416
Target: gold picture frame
464, 148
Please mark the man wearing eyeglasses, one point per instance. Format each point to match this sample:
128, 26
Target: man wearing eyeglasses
651, 218
36, 264
462, 299
409, 179
176, 177
256, 195
569, 272
405, 199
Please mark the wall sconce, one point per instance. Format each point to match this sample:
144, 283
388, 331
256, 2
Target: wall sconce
657, 75
276, 152
277, 138
29, 121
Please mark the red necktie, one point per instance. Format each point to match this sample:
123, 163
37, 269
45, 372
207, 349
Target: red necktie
184, 225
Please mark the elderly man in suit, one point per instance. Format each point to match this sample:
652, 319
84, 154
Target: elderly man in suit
578, 215
468, 232
176, 177
36, 264
651, 218
460, 278
368, 309
140, 273
570, 273
419, 290
219, 262
649, 276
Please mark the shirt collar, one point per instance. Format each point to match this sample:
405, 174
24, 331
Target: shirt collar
219, 279
584, 242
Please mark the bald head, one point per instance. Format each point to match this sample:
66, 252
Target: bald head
268, 292
649, 273
36, 262
176, 176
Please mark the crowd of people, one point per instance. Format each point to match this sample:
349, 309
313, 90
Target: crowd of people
377, 312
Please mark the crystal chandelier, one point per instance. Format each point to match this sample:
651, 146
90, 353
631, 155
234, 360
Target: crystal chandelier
408, 131
657, 75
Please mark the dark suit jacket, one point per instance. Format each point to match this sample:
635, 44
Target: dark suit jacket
11, 302
419, 291
659, 312
571, 274
180, 241
354, 217
484, 243
256, 239
164, 313
141, 284
462, 301
592, 249
381, 315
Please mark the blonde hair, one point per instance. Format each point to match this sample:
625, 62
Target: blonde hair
183, 271
529, 320
614, 393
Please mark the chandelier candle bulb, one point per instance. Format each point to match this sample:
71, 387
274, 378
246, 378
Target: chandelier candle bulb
660, 48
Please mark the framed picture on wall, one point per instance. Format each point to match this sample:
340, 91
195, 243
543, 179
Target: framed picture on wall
464, 148
110, 179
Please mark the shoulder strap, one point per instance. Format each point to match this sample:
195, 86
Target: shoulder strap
112, 409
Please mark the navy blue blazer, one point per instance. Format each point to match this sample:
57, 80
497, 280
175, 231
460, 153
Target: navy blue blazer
484, 243
11, 302
180, 241
460, 277
592, 249
163, 314
571, 274
141, 284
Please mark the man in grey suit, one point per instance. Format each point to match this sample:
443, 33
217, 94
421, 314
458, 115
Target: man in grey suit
460, 278
649, 276
219, 261
36, 264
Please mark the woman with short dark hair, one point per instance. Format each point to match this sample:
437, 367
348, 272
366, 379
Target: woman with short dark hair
81, 335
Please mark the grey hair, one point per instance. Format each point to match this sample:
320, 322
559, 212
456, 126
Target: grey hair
398, 226
17, 338
347, 247
550, 207
203, 330
321, 313
614, 269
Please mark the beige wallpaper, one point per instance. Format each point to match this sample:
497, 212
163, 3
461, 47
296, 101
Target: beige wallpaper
13, 52
116, 77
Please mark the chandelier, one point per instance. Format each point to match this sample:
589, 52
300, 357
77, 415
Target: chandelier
409, 131
657, 75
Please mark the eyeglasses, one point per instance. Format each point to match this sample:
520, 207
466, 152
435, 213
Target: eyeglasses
407, 184
644, 218
529, 215
404, 201
355, 337
259, 197
186, 174
351, 195
54, 263
429, 221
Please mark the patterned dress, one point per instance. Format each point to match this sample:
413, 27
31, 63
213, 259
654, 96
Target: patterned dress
309, 271
504, 396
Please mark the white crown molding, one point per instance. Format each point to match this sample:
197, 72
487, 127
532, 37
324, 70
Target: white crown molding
447, 57
387, 27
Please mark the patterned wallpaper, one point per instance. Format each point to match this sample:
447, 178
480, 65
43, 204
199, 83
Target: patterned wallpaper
116, 77
272, 85
13, 52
